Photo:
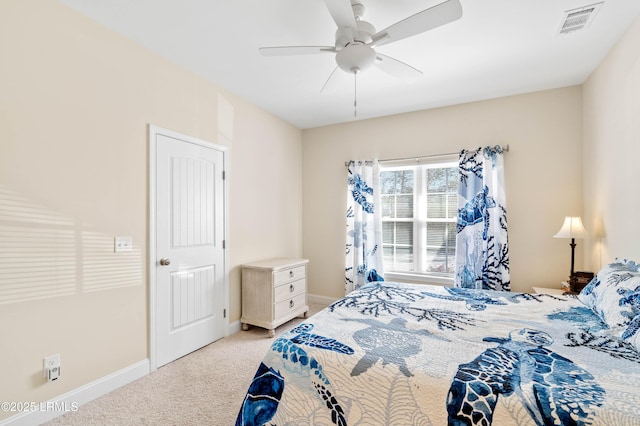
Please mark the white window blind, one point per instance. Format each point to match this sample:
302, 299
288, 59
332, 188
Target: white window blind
419, 211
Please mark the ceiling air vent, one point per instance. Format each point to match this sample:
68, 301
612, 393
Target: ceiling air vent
578, 19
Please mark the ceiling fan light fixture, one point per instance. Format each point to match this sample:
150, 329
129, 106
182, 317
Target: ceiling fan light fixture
356, 57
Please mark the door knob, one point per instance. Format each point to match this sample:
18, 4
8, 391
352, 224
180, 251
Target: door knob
165, 262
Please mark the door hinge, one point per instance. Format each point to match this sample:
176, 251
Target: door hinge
224, 175
224, 244
224, 313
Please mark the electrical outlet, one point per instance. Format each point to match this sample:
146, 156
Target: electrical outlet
51, 367
121, 244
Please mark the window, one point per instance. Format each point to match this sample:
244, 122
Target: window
419, 212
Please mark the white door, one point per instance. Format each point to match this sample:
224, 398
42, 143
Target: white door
188, 264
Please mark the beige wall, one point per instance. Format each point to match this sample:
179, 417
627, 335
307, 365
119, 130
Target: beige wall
612, 154
75, 102
543, 176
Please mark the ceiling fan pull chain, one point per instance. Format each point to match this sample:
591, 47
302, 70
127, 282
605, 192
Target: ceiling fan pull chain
355, 94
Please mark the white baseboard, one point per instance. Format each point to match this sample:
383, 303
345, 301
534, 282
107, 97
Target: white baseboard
234, 327
322, 300
71, 400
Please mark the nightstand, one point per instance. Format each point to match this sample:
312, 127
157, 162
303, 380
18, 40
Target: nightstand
274, 291
551, 291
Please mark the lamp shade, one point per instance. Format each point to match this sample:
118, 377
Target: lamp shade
572, 228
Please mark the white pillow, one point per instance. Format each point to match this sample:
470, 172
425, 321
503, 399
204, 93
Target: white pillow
614, 294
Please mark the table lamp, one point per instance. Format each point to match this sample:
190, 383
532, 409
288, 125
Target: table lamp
572, 228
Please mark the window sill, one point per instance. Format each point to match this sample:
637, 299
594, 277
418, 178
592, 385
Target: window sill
418, 278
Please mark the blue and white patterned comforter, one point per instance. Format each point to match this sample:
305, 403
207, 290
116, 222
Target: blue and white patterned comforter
400, 354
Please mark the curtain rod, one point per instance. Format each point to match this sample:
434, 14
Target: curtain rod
505, 148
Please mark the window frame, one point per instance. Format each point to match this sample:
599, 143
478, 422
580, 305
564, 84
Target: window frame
419, 219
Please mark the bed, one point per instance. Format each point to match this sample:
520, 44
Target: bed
402, 354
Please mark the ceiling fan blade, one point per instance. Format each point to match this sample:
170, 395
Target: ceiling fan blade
295, 50
397, 68
426, 20
341, 12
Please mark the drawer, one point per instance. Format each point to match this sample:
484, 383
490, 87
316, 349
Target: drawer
289, 290
289, 305
291, 274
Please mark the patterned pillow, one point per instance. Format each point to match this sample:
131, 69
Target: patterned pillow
614, 294
632, 333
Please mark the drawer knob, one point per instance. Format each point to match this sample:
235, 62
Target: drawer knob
291, 304
290, 274
291, 288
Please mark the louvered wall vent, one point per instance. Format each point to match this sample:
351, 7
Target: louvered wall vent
578, 19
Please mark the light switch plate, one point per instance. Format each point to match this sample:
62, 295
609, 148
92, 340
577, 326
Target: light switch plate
122, 244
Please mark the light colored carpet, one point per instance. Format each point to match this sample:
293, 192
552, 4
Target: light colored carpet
205, 387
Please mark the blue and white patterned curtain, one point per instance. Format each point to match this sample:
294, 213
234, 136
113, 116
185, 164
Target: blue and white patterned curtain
482, 248
364, 261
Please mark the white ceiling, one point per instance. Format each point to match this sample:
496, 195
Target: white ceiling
497, 48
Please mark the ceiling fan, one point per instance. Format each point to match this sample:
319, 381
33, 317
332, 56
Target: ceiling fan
356, 40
